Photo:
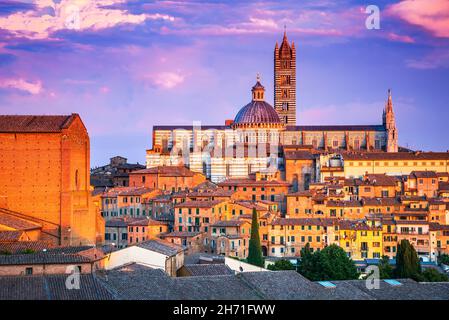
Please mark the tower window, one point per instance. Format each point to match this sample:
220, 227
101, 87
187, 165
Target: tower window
285, 93
285, 106
285, 80
285, 64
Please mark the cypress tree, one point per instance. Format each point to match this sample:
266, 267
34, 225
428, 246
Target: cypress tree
255, 250
407, 261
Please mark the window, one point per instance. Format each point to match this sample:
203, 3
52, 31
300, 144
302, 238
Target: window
335, 143
107, 236
76, 180
29, 271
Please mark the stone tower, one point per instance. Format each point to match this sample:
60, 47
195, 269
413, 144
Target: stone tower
285, 81
390, 125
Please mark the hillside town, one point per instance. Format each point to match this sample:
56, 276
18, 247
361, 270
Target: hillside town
188, 220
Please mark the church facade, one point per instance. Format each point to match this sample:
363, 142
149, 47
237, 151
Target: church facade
255, 140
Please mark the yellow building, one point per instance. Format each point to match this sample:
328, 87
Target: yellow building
359, 240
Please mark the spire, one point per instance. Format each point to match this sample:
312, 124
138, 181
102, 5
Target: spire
390, 125
389, 106
285, 33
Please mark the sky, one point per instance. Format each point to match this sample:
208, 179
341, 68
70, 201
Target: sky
126, 65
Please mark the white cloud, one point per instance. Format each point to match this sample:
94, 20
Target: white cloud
21, 84
71, 14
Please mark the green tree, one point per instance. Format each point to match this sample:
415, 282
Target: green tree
308, 266
432, 275
444, 259
255, 250
386, 271
407, 261
331, 263
281, 265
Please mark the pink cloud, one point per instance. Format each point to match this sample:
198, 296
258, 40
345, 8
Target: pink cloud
69, 14
166, 80
22, 85
432, 15
439, 58
400, 38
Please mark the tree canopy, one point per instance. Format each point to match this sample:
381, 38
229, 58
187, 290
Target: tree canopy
281, 265
331, 263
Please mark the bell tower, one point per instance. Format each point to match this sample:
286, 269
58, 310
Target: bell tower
285, 81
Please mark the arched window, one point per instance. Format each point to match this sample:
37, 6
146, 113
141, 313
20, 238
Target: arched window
335, 143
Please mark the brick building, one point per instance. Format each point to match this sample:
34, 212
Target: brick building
44, 176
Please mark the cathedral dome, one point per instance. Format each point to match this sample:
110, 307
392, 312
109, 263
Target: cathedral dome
257, 112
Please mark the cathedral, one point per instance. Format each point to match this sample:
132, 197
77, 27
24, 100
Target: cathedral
257, 137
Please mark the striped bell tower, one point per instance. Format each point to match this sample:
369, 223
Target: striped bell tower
285, 81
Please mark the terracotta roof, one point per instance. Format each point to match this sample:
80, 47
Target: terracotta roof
146, 222
210, 193
21, 246
116, 222
424, 174
437, 227
306, 193
9, 236
199, 204
298, 155
355, 225
304, 221
411, 222
17, 223
380, 201
379, 180
180, 234
250, 205
35, 123
229, 223
135, 191
126, 191
395, 156
251, 182
351, 203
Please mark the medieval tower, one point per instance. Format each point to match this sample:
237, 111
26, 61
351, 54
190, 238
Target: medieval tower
390, 125
285, 81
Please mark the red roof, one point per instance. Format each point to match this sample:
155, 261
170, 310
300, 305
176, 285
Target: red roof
30, 123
